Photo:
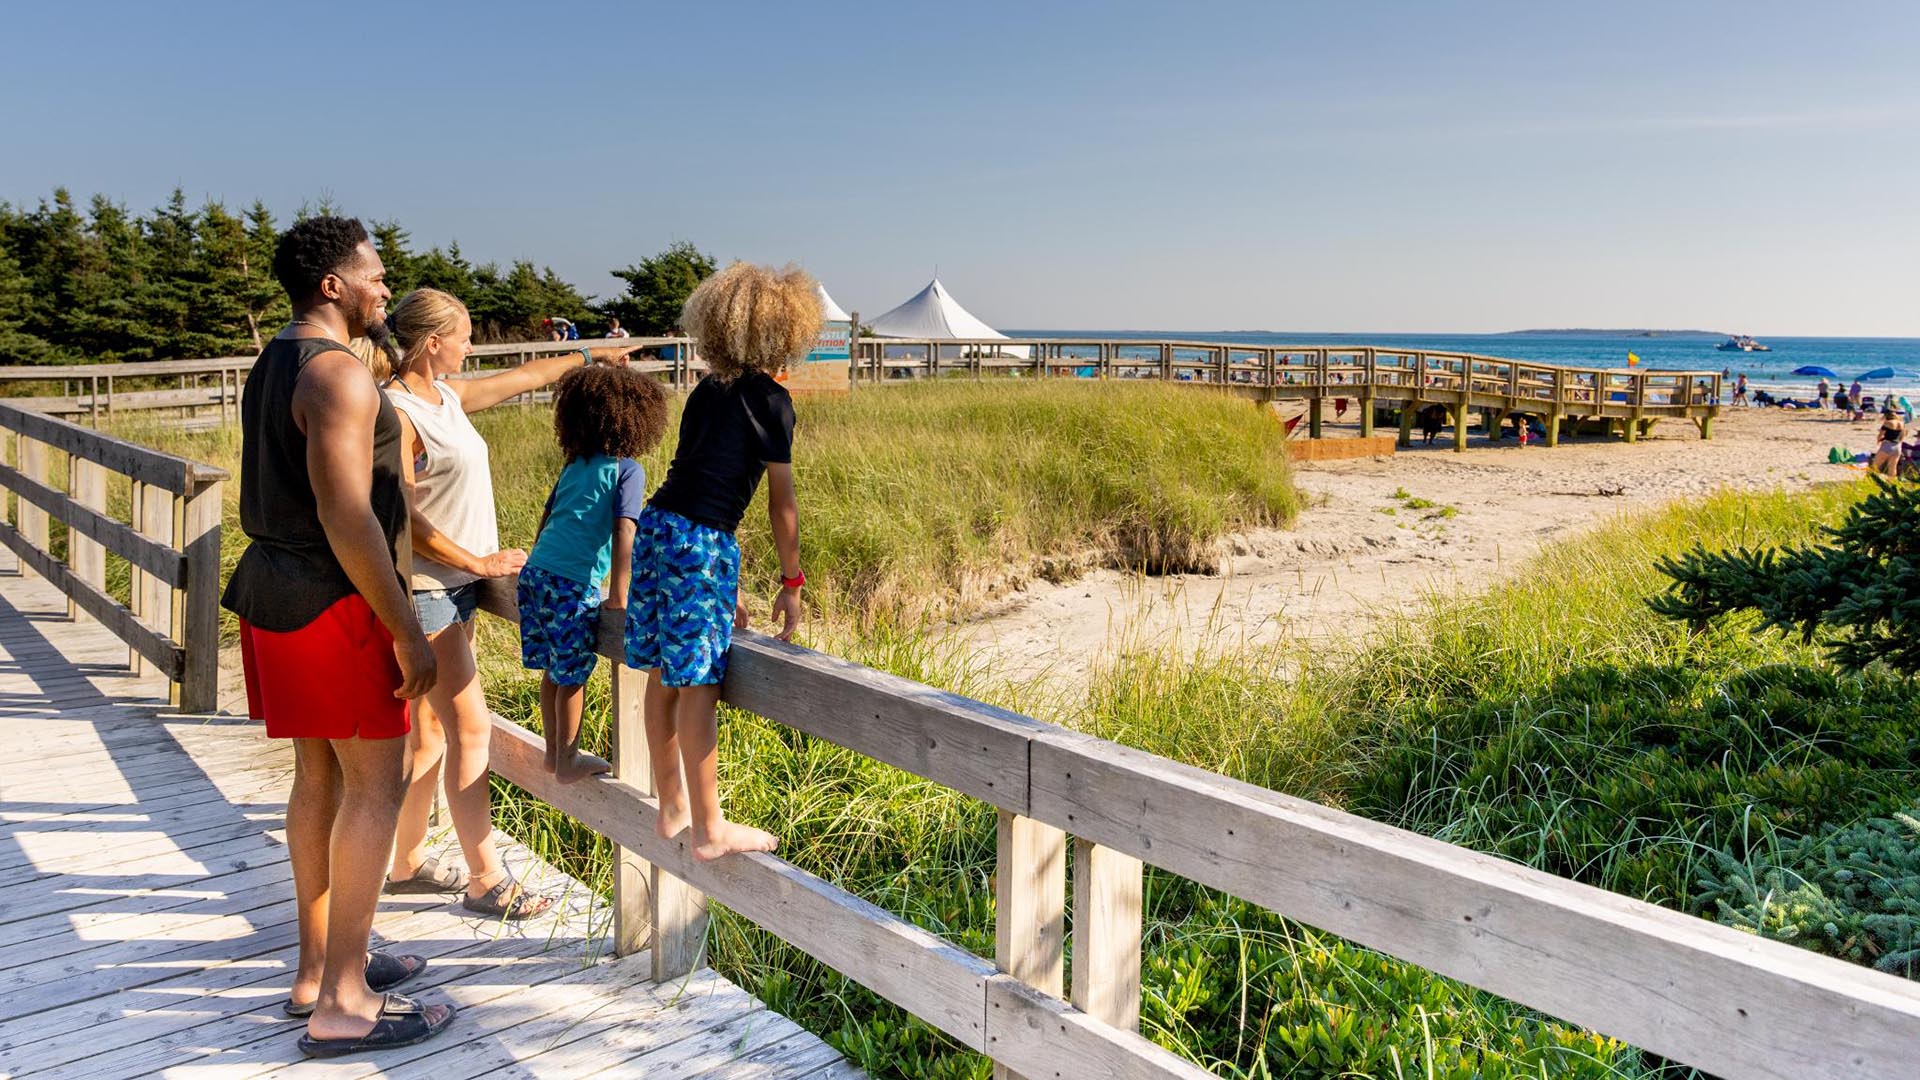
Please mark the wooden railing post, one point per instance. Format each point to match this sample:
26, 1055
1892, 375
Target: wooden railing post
156, 522
87, 482
1107, 886
196, 609
649, 904
136, 577
33, 465
1030, 878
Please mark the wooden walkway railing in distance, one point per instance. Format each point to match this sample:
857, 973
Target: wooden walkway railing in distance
171, 543
1396, 379
1732, 1004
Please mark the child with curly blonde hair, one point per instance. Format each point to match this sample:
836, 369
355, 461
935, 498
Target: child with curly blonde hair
750, 321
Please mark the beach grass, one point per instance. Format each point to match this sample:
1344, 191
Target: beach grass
930, 499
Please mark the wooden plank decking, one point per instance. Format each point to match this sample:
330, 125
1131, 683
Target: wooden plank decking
147, 925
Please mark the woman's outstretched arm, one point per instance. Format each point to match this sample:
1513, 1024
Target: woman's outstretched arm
486, 391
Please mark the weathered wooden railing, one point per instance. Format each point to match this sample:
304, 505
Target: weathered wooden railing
98, 391
1729, 1003
171, 543
1404, 380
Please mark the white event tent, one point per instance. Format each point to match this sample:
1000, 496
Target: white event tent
933, 314
835, 313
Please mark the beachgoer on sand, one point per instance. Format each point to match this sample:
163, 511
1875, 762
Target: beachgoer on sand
1825, 393
1886, 457
329, 643
604, 417
456, 542
737, 426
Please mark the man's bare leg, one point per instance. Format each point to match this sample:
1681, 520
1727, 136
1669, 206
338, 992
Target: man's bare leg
696, 726
372, 784
311, 807
669, 786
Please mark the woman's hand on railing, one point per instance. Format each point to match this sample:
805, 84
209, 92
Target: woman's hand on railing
501, 563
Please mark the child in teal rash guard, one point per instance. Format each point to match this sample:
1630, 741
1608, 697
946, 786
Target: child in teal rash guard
737, 427
603, 417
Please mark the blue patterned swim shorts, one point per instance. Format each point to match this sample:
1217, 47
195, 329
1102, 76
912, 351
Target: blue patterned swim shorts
686, 578
559, 619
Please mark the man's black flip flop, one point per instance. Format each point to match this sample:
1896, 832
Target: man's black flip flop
402, 1022
384, 972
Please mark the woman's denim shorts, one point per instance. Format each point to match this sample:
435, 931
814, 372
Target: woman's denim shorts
441, 608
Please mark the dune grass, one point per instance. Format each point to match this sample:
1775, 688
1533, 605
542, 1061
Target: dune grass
924, 500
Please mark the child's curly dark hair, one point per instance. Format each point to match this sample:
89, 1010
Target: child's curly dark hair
603, 409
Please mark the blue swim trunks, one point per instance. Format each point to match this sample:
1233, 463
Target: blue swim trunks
686, 578
559, 619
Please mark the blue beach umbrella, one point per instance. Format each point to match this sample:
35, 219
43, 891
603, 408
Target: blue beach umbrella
1883, 374
1815, 369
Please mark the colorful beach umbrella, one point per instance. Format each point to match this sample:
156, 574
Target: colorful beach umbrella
1881, 374
1815, 369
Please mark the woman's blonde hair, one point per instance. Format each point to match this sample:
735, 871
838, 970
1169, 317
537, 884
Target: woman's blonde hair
752, 318
374, 356
418, 316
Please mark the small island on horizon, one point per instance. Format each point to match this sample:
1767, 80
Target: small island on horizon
1597, 332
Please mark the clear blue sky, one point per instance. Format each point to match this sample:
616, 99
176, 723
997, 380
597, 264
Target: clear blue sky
1362, 166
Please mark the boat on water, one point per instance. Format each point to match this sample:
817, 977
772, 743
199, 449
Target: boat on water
1742, 343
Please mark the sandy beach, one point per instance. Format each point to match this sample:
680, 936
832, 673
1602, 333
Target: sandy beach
1347, 560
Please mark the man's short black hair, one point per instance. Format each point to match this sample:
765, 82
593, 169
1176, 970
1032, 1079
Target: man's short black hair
312, 249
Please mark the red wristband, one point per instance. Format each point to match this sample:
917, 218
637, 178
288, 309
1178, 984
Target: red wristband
794, 582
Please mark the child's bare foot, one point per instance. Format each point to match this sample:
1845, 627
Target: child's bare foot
728, 837
581, 766
673, 820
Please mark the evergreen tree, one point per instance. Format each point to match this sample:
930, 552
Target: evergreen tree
224, 312
657, 288
17, 345
390, 240
266, 302
1860, 594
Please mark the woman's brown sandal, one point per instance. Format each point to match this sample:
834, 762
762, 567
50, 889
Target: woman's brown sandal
432, 876
508, 900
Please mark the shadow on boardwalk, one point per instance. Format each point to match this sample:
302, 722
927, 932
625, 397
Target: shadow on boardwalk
147, 918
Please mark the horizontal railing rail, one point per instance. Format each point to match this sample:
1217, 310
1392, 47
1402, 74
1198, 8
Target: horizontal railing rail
1705, 995
171, 543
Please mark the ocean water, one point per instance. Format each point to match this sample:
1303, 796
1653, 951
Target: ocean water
1679, 352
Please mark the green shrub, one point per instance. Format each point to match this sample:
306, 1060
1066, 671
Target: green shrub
1852, 891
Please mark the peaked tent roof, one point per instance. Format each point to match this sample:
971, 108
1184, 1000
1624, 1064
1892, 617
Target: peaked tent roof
835, 313
932, 313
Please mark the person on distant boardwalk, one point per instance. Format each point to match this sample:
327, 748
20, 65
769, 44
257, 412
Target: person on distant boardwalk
456, 542
615, 330
604, 417
738, 424
329, 643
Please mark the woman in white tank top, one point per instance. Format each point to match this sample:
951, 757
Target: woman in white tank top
456, 542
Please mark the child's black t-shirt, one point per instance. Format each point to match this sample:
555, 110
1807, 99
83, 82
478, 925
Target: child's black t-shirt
729, 431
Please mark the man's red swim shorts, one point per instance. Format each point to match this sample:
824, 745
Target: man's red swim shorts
333, 678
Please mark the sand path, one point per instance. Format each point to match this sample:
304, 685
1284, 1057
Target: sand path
1346, 561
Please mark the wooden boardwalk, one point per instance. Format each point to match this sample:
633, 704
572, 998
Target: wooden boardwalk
147, 924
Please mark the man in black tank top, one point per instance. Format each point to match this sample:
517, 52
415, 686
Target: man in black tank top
329, 640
